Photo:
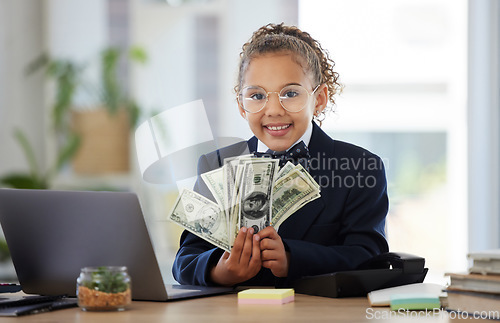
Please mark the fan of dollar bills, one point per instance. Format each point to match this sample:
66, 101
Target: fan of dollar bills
250, 192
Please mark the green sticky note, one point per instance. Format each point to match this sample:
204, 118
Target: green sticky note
414, 302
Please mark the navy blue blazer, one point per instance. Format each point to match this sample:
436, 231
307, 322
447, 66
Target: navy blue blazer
336, 232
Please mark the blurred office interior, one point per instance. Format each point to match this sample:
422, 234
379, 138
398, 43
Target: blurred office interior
421, 91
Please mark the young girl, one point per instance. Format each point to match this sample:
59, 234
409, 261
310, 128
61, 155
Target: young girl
285, 82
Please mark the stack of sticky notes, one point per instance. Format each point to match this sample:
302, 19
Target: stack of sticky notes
415, 302
412, 296
266, 296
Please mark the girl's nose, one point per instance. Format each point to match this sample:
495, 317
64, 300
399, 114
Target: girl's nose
273, 106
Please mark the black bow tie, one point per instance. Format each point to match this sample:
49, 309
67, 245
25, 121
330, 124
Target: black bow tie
298, 154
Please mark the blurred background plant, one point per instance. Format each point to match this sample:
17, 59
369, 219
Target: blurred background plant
113, 93
67, 77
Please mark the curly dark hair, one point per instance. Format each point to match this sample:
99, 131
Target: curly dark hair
273, 38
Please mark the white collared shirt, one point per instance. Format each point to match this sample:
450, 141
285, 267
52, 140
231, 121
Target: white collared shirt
306, 138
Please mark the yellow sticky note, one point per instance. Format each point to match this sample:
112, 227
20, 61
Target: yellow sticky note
266, 296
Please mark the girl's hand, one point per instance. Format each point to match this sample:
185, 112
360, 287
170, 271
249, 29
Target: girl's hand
242, 263
273, 252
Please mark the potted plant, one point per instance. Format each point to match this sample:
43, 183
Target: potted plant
105, 129
105, 288
96, 141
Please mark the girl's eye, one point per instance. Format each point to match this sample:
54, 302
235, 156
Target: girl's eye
290, 94
258, 96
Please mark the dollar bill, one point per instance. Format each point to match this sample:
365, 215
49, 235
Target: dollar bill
201, 217
232, 180
304, 172
285, 170
255, 193
233, 224
249, 192
290, 193
215, 183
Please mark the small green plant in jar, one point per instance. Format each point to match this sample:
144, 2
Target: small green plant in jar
104, 288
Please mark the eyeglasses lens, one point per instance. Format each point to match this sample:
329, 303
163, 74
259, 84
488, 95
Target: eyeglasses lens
293, 98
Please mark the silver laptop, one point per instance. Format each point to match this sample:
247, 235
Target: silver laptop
51, 235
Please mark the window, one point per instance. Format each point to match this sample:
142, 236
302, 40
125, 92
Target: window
404, 67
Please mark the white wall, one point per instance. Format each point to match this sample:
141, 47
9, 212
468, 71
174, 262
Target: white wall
64, 28
76, 29
483, 124
166, 35
239, 21
21, 97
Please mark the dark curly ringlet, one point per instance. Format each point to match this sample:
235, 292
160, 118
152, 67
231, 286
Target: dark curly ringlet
273, 38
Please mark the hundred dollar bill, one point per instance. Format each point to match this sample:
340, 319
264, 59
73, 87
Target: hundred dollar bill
297, 206
201, 217
231, 176
215, 183
285, 170
234, 227
255, 193
307, 175
290, 193
288, 167
232, 180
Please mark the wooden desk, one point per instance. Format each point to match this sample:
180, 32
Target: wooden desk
225, 308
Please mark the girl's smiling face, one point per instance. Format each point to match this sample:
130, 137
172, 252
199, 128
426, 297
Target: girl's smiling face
276, 127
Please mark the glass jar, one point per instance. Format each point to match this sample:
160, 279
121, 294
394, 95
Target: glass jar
104, 288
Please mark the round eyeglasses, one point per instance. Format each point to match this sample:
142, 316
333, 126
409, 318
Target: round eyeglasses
293, 98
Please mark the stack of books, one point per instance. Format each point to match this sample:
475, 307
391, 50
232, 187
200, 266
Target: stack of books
477, 293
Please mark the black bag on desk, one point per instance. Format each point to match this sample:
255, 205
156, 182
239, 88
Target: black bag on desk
383, 271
